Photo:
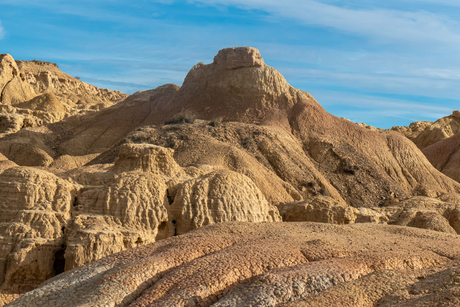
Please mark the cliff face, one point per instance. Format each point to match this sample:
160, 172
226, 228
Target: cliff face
234, 143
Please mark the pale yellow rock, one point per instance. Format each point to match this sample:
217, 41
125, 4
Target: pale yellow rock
12, 88
44, 94
218, 197
441, 129
318, 209
328, 210
35, 207
413, 130
74, 94
147, 158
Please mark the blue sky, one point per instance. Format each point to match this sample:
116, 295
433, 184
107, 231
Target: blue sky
381, 62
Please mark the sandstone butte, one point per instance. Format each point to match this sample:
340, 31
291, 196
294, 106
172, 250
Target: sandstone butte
181, 196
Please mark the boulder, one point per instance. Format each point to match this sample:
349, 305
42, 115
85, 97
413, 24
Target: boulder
129, 211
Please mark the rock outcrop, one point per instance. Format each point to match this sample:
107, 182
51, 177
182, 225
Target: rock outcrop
13, 89
219, 197
441, 129
77, 96
36, 93
425, 133
268, 264
445, 156
51, 224
234, 143
35, 208
413, 130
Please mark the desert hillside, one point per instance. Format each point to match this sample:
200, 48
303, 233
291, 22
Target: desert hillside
195, 186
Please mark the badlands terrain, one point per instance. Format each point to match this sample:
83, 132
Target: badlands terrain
234, 189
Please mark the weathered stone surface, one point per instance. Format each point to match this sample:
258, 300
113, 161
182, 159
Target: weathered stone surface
51, 224
445, 156
219, 197
319, 209
95, 134
35, 207
147, 158
12, 88
232, 58
441, 129
128, 212
265, 264
257, 144
36, 93
413, 130
77, 96
10, 123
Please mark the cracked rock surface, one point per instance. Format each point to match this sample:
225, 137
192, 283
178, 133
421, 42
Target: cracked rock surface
268, 264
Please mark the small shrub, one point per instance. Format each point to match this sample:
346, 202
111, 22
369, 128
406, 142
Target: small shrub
181, 118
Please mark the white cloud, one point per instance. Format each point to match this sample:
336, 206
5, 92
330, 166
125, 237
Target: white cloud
382, 25
2, 31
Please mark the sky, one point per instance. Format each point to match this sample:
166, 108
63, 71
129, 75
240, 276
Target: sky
384, 63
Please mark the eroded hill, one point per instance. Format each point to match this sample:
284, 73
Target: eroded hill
235, 142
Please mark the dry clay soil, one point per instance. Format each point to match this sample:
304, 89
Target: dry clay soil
269, 264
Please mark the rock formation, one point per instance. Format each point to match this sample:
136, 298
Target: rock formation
413, 130
234, 143
36, 93
441, 129
276, 264
52, 224
445, 156
35, 207
424, 133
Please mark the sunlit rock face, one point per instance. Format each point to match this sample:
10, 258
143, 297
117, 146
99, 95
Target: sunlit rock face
196, 180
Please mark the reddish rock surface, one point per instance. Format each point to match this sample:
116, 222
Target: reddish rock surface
268, 264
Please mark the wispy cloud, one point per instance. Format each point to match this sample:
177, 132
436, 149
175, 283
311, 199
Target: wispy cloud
380, 25
2, 31
383, 112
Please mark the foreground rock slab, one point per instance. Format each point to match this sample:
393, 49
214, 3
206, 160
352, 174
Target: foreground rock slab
267, 264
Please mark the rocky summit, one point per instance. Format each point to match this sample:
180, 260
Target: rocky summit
233, 189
